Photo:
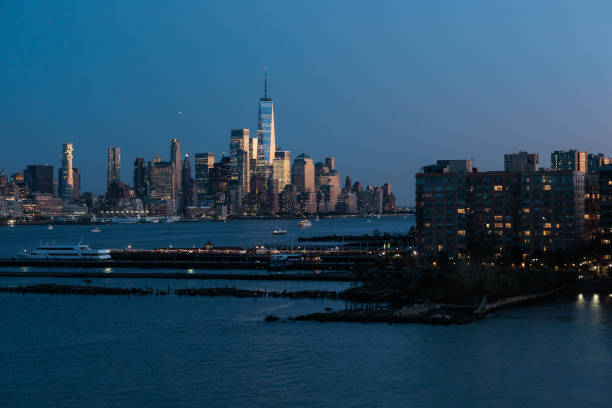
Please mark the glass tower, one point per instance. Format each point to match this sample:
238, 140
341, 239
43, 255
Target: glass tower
266, 140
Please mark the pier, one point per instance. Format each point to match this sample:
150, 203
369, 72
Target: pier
264, 276
310, 259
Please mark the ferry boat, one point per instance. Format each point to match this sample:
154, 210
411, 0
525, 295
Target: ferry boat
78, 252
279, 231
304, 224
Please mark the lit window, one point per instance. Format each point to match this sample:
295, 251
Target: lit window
498, 218
461, 232
460, 210
499, 225
526, 233
508, 225
498, 188
526, 210
547, 225
547, 187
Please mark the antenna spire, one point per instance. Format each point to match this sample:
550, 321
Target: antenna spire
266, 82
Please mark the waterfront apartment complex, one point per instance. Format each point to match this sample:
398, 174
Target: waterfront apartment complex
519, 212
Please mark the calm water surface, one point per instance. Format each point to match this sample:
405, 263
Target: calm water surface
102, 351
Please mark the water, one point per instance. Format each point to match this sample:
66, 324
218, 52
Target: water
244, 233
102, 351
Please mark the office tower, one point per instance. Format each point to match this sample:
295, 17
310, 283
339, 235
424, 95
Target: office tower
521, 161
302, 174
348, 184
253, 149
175, 159
266, 139
346, 202
570, 160
221, 176
388, 199
239, 158
327, 180
370, 200
282, 169
204, 163
113, 166
162, 181
140, 187
39, 178
76, 184
66, 175
239, 140
188, 187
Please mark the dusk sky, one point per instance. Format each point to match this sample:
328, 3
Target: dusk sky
384, 87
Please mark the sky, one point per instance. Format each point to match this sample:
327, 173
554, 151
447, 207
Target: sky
385, 87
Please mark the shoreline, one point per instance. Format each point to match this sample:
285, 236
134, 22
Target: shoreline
355, 311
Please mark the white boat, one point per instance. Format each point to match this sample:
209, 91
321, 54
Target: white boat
49, 227
96, 229
78, 252
304, 224
279, 231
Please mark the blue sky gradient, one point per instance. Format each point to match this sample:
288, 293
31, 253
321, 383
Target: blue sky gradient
384, 87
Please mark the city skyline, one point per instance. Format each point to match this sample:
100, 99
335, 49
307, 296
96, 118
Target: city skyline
403, 84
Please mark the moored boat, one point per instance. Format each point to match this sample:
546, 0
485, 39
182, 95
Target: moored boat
78, 252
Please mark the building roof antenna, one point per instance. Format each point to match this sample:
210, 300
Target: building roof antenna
266, 82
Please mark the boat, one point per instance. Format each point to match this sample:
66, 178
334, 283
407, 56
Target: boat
304, 224
77, 252
49, 227
279, 231
96, 229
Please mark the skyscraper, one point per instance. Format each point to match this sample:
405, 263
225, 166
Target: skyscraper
39, 178
266, 140
204, 163
187, 188
140, 187
114, 166
175, 159
239, 158
76, 184
302, 174
282, 169
66, 172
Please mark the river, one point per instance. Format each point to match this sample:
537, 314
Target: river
101, 351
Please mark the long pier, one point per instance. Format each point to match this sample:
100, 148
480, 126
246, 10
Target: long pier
324, 276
